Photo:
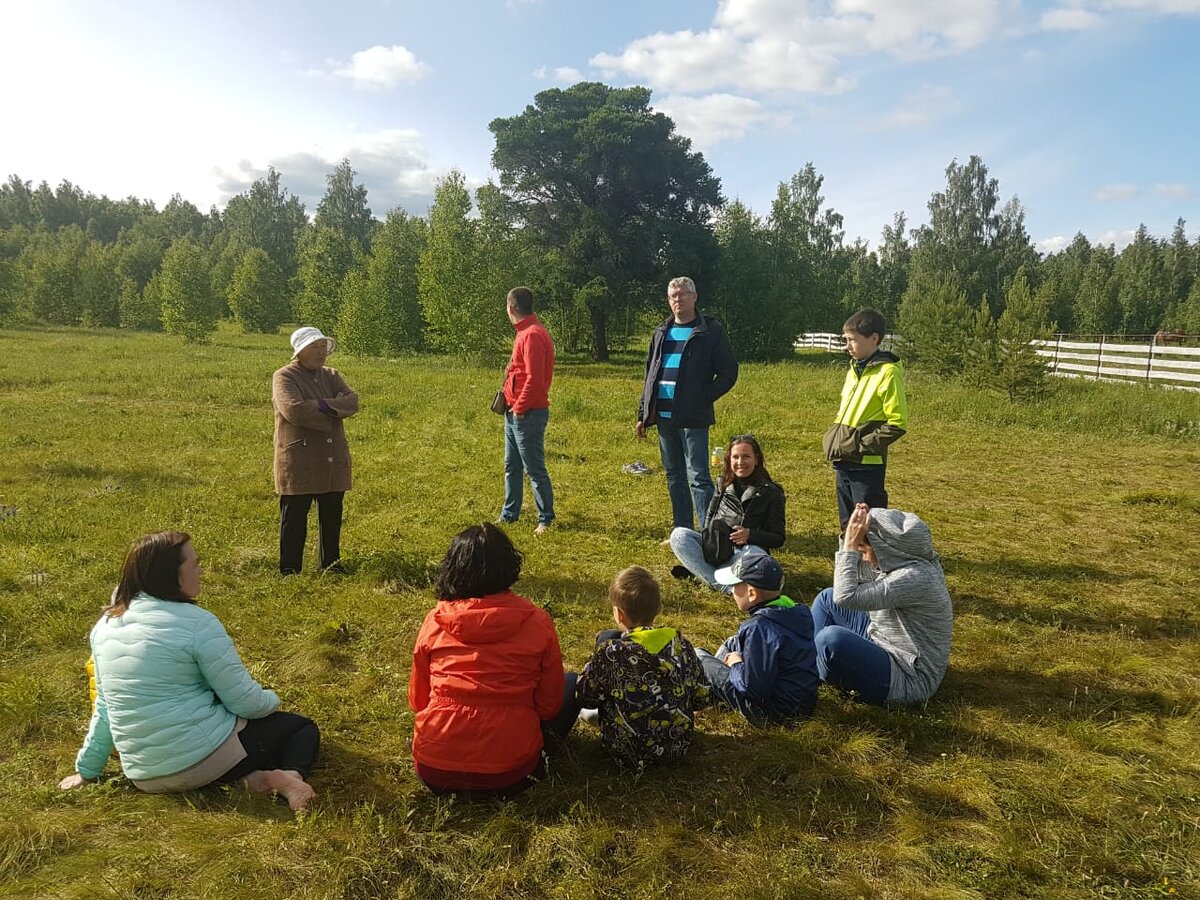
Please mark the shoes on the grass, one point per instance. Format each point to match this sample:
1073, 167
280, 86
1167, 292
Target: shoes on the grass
683, 573
636, 468
542, 528
590, 717
503, 521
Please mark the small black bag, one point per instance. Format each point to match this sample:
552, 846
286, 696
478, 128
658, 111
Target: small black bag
716, 542
499, 404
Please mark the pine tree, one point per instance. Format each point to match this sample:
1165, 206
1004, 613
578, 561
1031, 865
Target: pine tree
937, 323
1019, 370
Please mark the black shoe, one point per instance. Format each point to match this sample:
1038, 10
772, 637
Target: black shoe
683, 573
336, 569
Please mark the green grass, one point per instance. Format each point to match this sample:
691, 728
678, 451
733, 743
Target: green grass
1058, 760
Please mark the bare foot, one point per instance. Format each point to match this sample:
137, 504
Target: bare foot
295, 790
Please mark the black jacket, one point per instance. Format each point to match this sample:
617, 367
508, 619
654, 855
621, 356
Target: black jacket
761, 508
707, 371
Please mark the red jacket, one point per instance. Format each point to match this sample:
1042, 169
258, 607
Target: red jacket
486, 673
527, 383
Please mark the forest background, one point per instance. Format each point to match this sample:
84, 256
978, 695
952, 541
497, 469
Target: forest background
598, 202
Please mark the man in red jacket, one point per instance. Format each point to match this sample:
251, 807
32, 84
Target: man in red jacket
527, 392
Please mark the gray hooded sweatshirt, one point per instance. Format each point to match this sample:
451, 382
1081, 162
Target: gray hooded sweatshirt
906, 598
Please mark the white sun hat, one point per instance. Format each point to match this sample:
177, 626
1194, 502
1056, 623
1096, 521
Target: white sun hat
302, 337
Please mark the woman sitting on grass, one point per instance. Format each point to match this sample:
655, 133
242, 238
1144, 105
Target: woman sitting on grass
883, 630
172, 693
748, 506
487, 682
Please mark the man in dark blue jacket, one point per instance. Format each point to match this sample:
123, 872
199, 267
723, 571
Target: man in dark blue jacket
768, 670
690, 365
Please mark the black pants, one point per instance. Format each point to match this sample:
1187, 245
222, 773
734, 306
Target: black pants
293, 529
859, 484
279, 741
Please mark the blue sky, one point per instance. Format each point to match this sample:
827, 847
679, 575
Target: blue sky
1085, 109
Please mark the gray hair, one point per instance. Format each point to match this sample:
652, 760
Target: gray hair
682, 282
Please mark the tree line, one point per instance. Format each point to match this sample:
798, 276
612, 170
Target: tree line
598, 202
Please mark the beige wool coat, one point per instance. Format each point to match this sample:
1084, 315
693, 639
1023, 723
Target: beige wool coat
311, 453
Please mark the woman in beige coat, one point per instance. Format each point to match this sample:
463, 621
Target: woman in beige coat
312, 458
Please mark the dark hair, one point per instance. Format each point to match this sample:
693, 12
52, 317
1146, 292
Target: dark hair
152, 567
481, 561
522, 299
635, 592
759, 475
867, 322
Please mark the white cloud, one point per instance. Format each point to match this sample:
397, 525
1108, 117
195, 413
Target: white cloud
379, 67
1119, 238
1069, 20
922, 107
800, 45
717, 117
1115, 192
567, 75
392, 164
1051, 244
1172, 190
560, 74
1163, 7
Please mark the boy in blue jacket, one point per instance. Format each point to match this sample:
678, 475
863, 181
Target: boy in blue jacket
768, 670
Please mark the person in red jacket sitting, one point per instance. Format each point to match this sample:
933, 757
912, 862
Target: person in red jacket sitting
487, 682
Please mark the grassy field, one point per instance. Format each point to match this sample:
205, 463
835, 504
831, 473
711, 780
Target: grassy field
1058, 760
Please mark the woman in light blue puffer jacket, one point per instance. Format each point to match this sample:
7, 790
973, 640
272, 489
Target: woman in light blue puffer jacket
173, 696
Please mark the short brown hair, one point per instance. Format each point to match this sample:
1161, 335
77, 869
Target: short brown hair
867, 322
635, 592
521, 299
151, 567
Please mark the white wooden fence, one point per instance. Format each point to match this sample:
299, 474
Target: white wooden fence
1169, 365
1166, 364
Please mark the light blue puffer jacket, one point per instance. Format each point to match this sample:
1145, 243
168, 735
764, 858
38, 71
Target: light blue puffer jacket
170, 687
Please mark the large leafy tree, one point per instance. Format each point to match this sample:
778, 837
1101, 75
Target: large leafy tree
972, 238
1144, 286
602, 182
327, 258
809, 258
381, 310
185, 291
270, 217
344, 207
463, 317
759, 321
258, 293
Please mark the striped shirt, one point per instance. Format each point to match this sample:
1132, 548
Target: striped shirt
672, 353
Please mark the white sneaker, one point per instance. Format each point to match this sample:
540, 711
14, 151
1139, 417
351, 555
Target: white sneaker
590, 716
542, 529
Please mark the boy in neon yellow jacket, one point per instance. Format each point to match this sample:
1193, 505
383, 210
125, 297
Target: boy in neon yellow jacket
872, 415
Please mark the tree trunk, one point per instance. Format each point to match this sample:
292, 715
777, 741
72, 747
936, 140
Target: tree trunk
599, 333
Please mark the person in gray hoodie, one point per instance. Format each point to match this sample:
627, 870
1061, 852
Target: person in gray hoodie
883, 629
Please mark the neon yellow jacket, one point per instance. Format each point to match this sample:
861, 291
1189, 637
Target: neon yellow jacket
873, 413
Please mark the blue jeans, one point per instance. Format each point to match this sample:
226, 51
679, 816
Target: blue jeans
685, 460
689, 551
846, 657
525, 452
717, 674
